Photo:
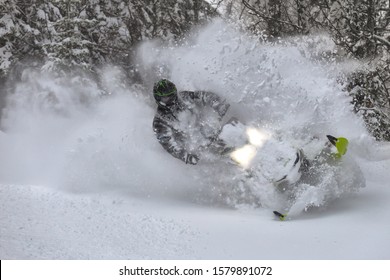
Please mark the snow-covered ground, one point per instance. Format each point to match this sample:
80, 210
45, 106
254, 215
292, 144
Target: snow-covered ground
91, 182
42, 223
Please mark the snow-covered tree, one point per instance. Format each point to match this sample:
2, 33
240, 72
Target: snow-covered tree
17, 35
84, 34
170, 19
273, 18
371, 98
362, 29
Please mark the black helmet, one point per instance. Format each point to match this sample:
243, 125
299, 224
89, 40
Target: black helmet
165, 92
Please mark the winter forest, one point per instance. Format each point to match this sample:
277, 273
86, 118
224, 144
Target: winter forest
82, 175
77, 38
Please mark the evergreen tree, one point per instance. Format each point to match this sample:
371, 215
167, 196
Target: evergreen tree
70, 35
371, 98
17, 35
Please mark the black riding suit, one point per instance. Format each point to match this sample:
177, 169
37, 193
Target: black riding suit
170, 130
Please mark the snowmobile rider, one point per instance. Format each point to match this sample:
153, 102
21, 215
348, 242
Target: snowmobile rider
167, 123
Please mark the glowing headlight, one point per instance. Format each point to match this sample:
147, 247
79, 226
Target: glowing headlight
243, 156
257, 137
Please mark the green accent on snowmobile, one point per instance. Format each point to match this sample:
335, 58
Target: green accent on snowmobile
281, 216
341, 146
340, 143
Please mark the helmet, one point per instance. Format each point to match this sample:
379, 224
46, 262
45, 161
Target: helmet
165, 92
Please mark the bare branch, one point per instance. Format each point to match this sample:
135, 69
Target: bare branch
267, 17
382, 40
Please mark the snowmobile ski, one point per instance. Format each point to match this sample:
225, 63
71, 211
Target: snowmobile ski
281, 216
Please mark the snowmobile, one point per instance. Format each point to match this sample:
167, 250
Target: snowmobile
293, 169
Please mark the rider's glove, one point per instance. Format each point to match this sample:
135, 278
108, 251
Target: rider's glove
192, 159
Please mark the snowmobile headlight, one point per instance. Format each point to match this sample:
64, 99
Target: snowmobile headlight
257, 137
244, 155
